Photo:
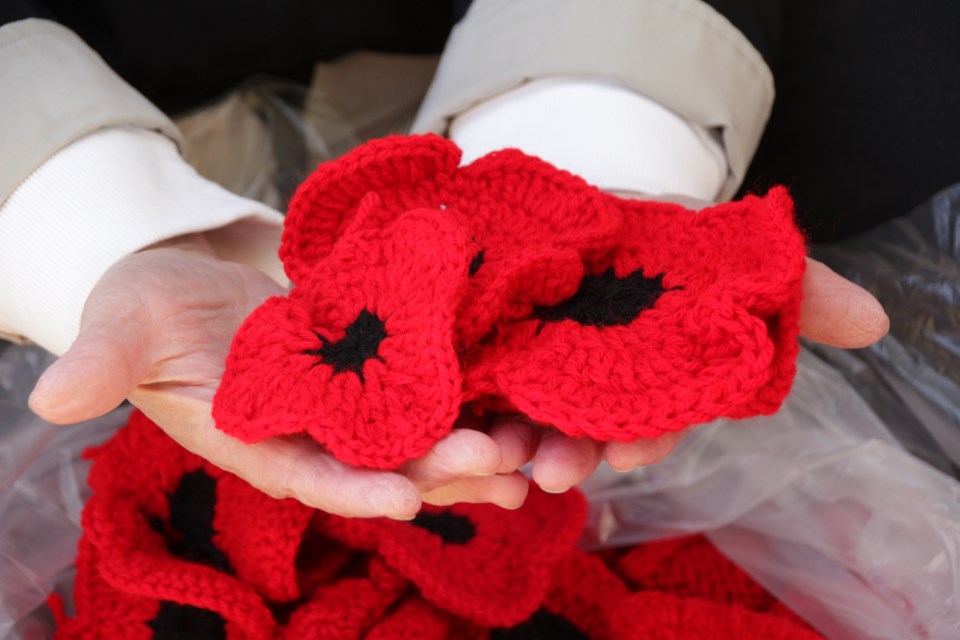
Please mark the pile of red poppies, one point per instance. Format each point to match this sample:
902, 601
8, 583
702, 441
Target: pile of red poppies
509, 285
175, 548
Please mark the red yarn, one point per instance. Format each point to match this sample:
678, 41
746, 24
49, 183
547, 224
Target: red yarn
137, 474
102, 612
413, 619
583, 597
361, 354
349, 607
652, 615
718, 339
602, 317
174, 548
529, 248
692, 567
477, 561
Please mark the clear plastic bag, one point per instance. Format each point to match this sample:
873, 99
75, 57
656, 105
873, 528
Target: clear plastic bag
911, 378
819, 503
42, 491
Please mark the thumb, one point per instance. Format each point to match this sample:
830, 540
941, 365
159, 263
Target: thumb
107, 361
837, 312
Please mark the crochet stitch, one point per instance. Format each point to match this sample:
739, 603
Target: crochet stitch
361, 356
174, 548
696, 318
582, 600
413, 619
692, 567
529, 250
475, 561
651, 615
604, 318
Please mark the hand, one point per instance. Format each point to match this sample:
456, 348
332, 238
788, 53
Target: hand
156, 329
835, 312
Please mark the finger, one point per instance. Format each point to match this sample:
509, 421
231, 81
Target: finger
837, 312
624, 456
507, 491
562, 462
284, 467
105, 363
517, 439
462, 453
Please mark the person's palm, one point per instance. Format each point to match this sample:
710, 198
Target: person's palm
156, 330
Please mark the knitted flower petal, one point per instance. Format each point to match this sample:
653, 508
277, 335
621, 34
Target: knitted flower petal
262, 537
103, 613
584, 596
321, 559
347, 608
207, 515
361, 356
483, 563
143, 461
413, 619
650, 615
517, 208
750, 250
695, 319
135, 560
106, 613
692, 567
521, 281
326, 202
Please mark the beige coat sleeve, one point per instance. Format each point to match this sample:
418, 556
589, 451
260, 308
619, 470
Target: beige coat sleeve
55, 90
680, 53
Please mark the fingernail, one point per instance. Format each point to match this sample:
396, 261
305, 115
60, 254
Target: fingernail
44, 392
481, 472
556, 490
871, 317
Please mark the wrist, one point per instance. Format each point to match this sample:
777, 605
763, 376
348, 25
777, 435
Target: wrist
104, 197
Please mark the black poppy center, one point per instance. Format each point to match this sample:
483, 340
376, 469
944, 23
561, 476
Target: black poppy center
192, 508
360, 343
606, 300
183, 622
451, 527
542, 625
476, 263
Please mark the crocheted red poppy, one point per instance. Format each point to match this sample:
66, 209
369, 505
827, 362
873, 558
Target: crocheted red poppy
174, 547
671, 317
201, 513
361, 354
413, 619
530, 221
581, 603
486, 564
692, 567
136, 560
695, 318
347, 608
